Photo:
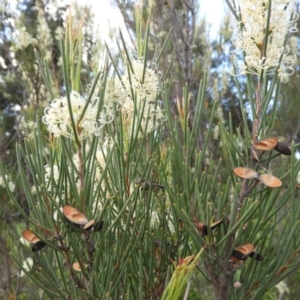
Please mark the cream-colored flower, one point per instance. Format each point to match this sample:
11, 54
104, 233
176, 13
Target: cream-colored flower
98, 203
26, 127
51, 173
58, 119
298, 178
2, 63
155, 221
138, 91
24, 242
59, 33
33, 190
282, 288
102, 153
24, 39
27, 266
216, 132
144, 83
220, 114
44, 33
237, 285
55, 212
252, 37
112, 93
11, 185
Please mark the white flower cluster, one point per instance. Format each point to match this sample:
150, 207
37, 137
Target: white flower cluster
44, 34
138, 89
24, 242
11, 185
23, 39
155, 222
253, 36
52, 175
112, 93
58, 119
135, 96
25, 127
27, 265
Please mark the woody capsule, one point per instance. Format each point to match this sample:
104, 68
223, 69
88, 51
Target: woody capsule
272, 143
30, 237
74, 216
203, 228
80, 220
244, 251
266, 144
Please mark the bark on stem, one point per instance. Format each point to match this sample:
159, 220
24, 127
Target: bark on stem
81, 174
256, 121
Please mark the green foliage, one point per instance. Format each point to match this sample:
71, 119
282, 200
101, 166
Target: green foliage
151, 176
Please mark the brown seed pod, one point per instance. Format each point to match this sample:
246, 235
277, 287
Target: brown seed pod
253, 154
89, 225
181, 225
74, 216
146, 185
30, 237
270, 181
283, 148
203, 229
216, 224
257, 256
38, 246
98, 225
76, 267
245, 173
243, 252
266, 144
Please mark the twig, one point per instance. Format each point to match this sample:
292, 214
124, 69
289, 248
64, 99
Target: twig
81, 175
244, 192
256, 121
187, 291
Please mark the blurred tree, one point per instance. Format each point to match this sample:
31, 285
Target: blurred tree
194, 53
287, 123
33, 25
178, 42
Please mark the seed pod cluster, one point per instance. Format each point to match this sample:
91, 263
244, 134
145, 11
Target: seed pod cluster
267, 179
244, 251
72, 215
263, 145
79, 219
